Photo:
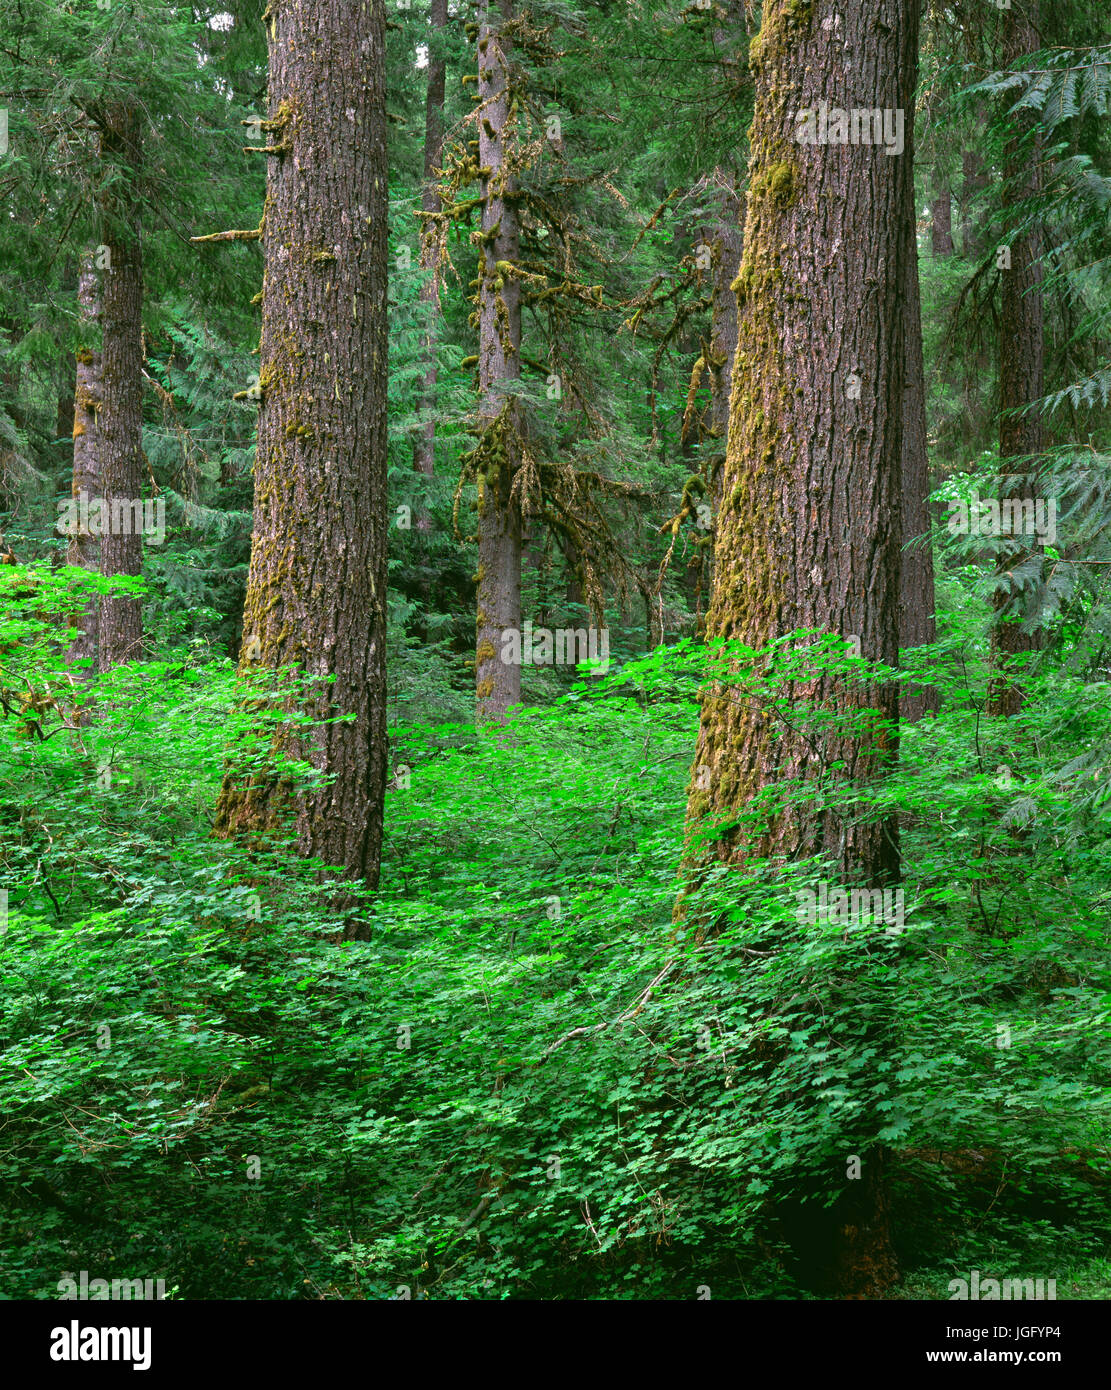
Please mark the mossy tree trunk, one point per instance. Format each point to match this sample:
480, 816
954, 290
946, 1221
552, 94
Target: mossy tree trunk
316, 588
120, 421
497, 680
83, 548
424, 445
1021, 381
809, 529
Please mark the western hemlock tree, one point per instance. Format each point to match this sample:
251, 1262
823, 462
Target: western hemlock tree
84, 548
424, 446
808, 533
497, 681
120, 422
316, 590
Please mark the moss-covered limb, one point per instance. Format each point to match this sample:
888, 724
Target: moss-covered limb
655, 217
255, 234
280, 121
694, 489
692, 393
646, 303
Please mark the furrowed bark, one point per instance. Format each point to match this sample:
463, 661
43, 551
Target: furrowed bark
120, 422
424, 445
497, 680
809, 529
316, 589
83, 548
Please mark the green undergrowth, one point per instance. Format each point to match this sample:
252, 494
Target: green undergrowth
528, 1083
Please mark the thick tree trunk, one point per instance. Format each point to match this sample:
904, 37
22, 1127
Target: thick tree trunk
1021, 380
497, 676
424, 446
120, 422
316, 589
917, 623
809, 528
84, 548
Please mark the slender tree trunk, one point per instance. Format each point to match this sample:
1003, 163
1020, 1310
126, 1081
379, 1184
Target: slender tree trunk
575, 593
424, 446
974, 181
84, 548
809, 533
120, 422
1021, 380
728, 245
941, 220
63, 427
11, 374
917, 624
316, 589
498, 679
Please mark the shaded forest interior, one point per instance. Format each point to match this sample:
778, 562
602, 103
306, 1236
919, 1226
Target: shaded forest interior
555, 648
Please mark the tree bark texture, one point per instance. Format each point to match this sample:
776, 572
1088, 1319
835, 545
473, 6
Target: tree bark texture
316, 589
83, 548
120, 422
497, 681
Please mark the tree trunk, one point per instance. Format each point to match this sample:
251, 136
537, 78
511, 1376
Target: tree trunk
316, 588
64, 420
424, 446
120, 422
84, 548
973, 245
728, 245
941, 220
1021, 380
808, 533
917, 624
497, 675
974, 181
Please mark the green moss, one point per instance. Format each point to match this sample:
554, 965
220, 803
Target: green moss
778, 32
776, 182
